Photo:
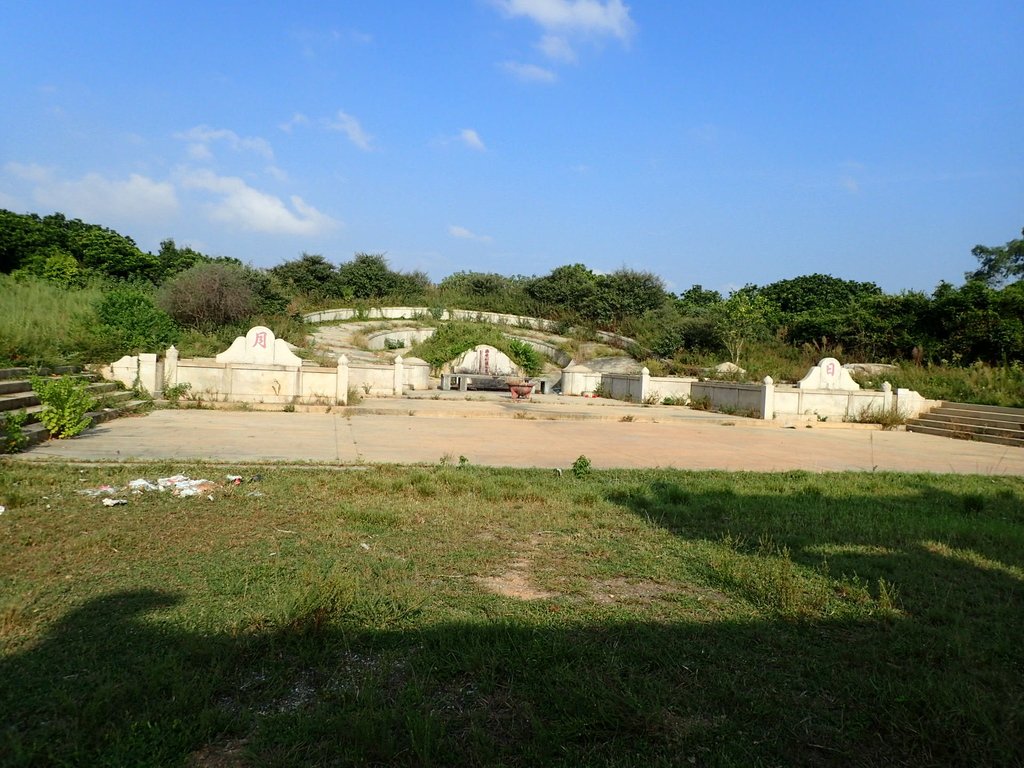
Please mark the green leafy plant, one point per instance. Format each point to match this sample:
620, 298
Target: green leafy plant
581, 467
13, 435
66, 403
175, 392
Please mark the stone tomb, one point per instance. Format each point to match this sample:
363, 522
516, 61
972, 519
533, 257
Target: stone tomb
483, 367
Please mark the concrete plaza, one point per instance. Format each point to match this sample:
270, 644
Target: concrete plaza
549, 432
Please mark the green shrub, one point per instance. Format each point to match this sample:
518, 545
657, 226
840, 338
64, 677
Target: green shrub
207, 296
581, 467
525, 356
65, 401
12, 437
130, 322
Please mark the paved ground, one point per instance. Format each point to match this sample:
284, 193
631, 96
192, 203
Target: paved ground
549, 432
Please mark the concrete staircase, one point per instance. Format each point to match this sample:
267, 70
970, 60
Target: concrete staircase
16, 395
962, 421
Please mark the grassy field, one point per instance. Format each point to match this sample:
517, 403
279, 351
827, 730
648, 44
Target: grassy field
465, 616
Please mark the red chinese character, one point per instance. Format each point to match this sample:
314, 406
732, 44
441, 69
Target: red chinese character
830, 369
261, 339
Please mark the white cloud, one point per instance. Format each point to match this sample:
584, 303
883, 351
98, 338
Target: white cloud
202, 136
96, 197
472, 139
464, 234
348, 125
242, 206
557, 48
297, 119
850, 184
530, 73
591, 17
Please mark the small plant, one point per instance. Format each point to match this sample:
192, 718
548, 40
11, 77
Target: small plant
888, 418
289, 408
581, 467
12, 437
65, 405
602, 390
676, 400
394, 344
175, 392
702, 403
654, 398
463, 461
628, 417
367, 386
354, 396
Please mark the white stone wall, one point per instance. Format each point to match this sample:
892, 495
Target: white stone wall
235, 377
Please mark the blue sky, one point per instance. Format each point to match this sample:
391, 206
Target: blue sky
712, 143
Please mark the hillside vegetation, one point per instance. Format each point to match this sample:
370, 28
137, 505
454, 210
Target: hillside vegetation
71, 291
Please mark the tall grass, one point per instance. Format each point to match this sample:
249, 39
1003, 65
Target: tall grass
41, 323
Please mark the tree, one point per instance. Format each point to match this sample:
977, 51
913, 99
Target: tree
630, 293
697, 301
817, 293
999, 264
367, 276
312, 275
742, 318
207, 296
568, 291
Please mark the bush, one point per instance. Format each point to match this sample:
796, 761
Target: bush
65, 405
12, 436
131, 322
525, 356
207, 296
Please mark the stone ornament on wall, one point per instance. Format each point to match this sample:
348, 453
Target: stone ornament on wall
260, 346
828, 374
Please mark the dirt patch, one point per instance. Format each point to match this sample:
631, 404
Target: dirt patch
516, 581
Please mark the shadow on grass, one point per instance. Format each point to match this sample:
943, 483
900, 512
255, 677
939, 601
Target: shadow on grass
937, 680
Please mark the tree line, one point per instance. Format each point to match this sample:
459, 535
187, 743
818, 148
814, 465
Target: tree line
981, 320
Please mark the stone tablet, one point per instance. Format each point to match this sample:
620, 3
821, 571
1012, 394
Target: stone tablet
828, 374
485, 360
259, 346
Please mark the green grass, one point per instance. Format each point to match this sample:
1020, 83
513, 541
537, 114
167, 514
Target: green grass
42, 324
351, 617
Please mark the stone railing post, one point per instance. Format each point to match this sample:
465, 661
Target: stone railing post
768, 399
170, 367
341, 385
645, 384
886, 396
398, 376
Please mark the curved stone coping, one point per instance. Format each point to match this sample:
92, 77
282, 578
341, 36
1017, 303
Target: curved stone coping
411, 336
416, 313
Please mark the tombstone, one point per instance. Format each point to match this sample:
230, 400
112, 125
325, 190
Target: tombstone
828, 374
485, 360
259, 346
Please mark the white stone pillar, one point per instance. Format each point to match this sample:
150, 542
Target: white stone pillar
886, 396
768, 399
341, 386
645, 384
147, 378
170, 367
398, 376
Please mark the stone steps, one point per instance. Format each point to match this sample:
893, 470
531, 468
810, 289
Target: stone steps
966, 421
16, 395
